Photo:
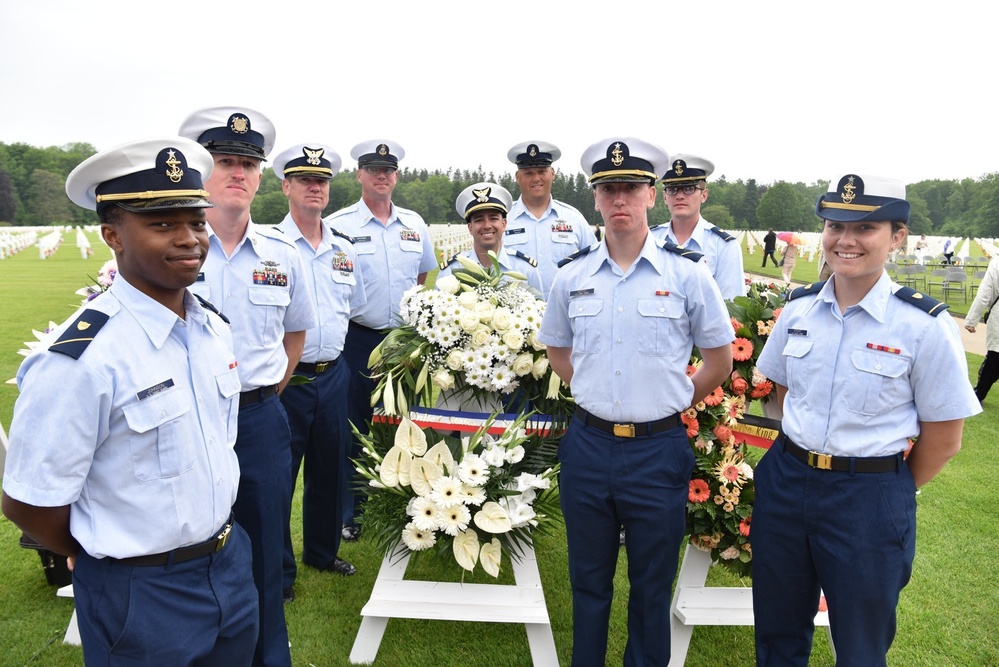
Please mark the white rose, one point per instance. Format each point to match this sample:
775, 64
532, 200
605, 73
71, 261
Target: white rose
533, 340
513, 339
502, 319
468, 299
523, 364
443, 379
485, 311
448, 284
481, 336
455, 360
468, 321
540, 368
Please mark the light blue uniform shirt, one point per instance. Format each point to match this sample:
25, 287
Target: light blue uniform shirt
137, 434
392, 257
507, 262
336, 286
632, 332
724, 258
264, 291
849, 392
561, 231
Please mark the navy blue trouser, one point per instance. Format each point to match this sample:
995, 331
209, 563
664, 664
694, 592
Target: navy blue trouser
852, 535
200, 612
317, 414
263, 508
357, 347
640, 483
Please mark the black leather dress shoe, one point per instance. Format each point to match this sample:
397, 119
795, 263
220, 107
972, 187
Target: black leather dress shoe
351, 533
341, 567
289, 594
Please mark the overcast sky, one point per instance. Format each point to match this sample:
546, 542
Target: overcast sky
796, 91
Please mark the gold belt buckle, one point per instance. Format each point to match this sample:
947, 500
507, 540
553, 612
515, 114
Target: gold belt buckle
820, 461
322, 366
624, 430
223, 537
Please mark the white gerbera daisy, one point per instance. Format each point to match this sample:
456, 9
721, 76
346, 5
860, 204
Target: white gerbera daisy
424, 513
473, 470
474, 495
416, 539
453, 520
446, 492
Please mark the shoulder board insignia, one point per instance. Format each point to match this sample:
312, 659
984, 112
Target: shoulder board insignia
337, 232
927, 304
722, 233
805, 290
692, 255
529, 260
576, 255
446, 263
208, 305
75, 339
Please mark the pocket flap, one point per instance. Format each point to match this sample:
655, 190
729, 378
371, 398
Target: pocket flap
879, 363
156, 410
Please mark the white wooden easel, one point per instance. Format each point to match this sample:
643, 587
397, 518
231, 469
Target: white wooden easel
697, 604
394, 597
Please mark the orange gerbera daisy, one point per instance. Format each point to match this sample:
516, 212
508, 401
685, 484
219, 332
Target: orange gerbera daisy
762, 389
742, 349
715, 397
699, 491
744, 525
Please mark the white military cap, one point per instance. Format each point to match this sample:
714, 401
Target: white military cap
685, 168
231, 131
534, 154
856, 198
146, 175
623, 160
378, 153
481, 197
307, 160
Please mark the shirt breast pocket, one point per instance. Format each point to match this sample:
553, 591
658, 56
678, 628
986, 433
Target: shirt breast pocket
271, 302
367, 248
515, 237
882, 382
661, 327
228, 385
344, 278
160, 444
796, 364
587, 333
411, 246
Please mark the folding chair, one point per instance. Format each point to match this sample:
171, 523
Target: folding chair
956, 282
906, 276
936, 278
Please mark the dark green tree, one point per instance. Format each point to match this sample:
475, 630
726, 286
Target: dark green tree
783, 208
8, 198
49, 204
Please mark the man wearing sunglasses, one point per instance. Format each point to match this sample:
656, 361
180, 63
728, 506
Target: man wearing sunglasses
684, 190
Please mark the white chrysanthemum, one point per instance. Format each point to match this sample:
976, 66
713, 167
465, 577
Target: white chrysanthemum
448, 335
453, 520
417, 539
474, 495
473, 470
446, 491
424, 512
503, 379
424, 329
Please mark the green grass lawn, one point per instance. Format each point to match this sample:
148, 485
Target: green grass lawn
948, 616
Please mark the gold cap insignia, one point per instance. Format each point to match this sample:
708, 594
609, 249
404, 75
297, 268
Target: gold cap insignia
849, 191
617, 156
678, 167
174, 172
382, 149
482, 195
532, 150
240, 124
313, 155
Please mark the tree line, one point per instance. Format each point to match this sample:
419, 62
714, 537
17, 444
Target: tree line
33, 179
